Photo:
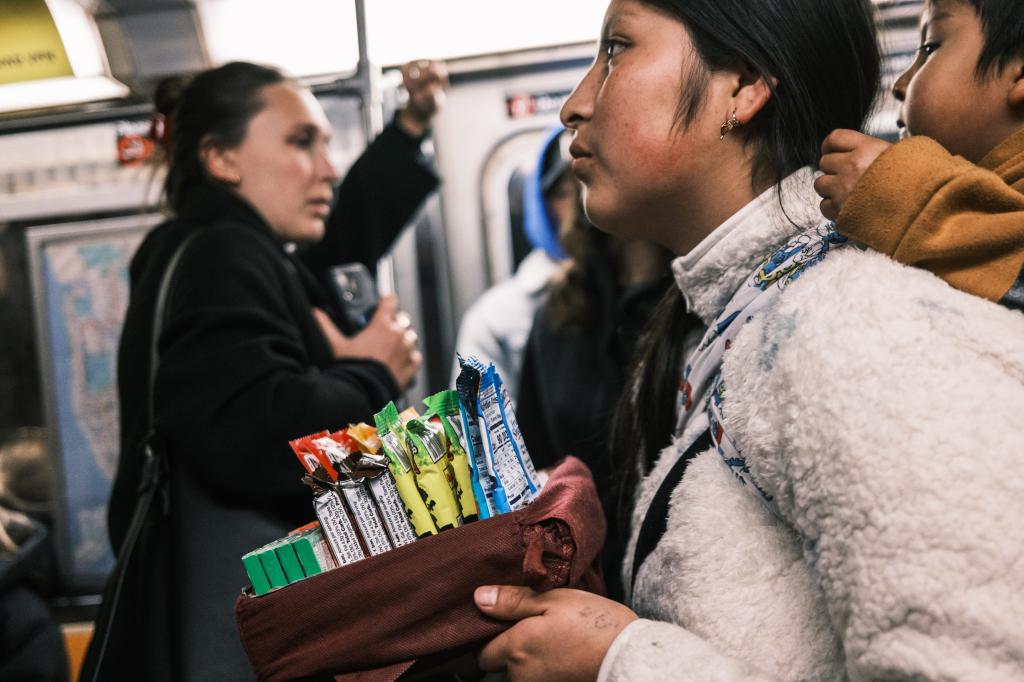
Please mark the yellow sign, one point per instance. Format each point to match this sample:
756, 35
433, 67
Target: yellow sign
30, 46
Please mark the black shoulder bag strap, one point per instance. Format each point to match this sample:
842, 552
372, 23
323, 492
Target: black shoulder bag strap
152, 482
656, 519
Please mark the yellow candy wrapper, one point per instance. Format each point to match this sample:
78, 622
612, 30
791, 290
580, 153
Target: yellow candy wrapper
400, 463
434, 475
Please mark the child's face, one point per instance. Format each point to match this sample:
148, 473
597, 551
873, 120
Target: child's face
941, 95
637, 162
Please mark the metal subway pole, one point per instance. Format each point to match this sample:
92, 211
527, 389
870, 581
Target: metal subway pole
368, 75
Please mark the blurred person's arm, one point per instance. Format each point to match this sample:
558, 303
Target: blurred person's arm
388, 183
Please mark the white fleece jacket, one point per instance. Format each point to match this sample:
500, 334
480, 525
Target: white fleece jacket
884, 412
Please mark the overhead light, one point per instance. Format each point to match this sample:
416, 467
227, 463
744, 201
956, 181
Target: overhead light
301, 37
444, 29
50, 55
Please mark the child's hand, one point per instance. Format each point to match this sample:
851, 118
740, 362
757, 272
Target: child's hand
845, 155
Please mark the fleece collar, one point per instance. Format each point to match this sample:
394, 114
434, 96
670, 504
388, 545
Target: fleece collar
710, 273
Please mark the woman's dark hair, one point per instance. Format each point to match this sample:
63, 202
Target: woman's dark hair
1002, 22
215, 107
822, 57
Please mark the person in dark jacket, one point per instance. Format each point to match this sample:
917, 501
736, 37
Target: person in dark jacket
254, 348
580, 346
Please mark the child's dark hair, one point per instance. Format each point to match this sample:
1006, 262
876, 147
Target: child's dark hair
216, 106
823, 56
1002, 23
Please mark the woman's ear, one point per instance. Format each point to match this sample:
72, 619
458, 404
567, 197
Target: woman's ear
221, 163
1015, 97
752, 92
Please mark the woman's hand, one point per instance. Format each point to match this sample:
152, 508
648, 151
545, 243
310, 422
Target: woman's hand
561, 635
845, 156
425, 81
387, 339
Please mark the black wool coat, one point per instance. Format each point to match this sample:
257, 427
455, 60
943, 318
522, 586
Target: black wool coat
243, 368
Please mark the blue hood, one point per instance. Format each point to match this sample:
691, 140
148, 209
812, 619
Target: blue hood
538, 224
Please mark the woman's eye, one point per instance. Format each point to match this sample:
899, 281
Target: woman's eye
928, 48
303, 141
611, 47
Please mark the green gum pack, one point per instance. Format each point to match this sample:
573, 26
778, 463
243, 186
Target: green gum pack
257, 576
293, 572
272, 565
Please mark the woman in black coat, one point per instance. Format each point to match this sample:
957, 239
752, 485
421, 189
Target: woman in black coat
253, 350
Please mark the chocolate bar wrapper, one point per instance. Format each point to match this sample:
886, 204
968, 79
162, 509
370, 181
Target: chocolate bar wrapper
368, 522
381, 484
392, 511
337, 528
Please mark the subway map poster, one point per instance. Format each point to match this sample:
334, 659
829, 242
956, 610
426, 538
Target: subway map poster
80, 287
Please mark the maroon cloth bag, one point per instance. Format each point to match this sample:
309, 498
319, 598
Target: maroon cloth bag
372, 620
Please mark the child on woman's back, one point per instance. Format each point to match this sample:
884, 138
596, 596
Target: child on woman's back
954, 203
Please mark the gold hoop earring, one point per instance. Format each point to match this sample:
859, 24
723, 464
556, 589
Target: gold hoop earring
730, 125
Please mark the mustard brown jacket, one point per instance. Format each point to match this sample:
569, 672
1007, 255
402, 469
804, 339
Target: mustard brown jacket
925, 207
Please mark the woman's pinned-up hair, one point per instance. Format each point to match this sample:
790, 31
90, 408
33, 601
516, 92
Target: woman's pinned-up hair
215, 107
822, 62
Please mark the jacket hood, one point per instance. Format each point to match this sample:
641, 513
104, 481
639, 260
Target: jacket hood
538, 223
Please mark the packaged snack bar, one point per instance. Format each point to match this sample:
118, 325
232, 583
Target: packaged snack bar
443, 412
390, 431
381, 484
272, 565
357, 499
509, 415
501, 451
293, 572
305, 452
337, 528
434, 475
329, 465
492, 501
257, 576
365, 437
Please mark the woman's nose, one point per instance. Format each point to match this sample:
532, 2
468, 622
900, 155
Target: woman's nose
328, 167
579, 106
